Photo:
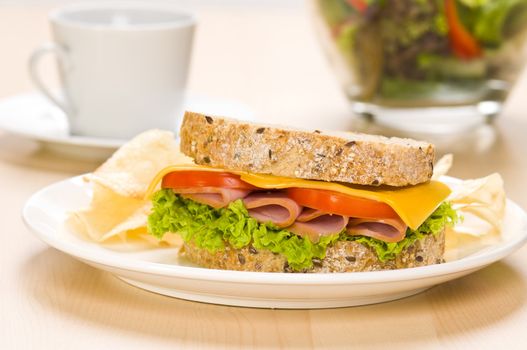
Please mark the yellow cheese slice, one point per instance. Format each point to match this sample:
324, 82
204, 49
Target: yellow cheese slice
413, 204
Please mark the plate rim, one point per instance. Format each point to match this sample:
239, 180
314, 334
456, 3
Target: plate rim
108, 259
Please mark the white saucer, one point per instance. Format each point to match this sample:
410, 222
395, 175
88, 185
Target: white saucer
162, 271
32, 116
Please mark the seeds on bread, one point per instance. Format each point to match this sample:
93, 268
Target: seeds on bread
329, 156
343, 256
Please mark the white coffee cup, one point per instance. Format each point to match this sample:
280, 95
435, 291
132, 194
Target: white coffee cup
123, 67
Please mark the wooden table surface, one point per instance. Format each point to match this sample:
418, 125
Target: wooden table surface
267, 58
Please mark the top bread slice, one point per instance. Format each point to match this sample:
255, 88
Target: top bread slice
329, 156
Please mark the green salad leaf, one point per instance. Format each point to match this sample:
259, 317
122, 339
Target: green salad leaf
488, 19
441, 67
212, 229
474, 3
335, 11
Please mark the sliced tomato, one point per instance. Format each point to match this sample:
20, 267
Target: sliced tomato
342, 204
464, 45
196, 178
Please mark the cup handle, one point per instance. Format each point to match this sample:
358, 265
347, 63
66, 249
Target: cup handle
34, 59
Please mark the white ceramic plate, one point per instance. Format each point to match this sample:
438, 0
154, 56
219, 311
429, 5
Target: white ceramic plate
161, 271
32, 116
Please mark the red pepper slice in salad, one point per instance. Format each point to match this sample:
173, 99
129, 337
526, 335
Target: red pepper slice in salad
359, 5
464, 45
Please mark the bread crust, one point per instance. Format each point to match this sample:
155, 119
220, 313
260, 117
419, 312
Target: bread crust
346, 157
343, 256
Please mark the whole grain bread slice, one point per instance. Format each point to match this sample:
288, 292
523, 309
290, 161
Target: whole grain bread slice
329, 156
343, 256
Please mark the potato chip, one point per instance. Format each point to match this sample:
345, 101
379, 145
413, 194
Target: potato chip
482, 199
131, 168
481, 202
118, 209
108, 212
442, 166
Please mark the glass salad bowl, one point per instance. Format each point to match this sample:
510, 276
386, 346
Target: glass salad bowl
425, 65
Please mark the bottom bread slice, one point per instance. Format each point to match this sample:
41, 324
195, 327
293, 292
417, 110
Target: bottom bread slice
343, 256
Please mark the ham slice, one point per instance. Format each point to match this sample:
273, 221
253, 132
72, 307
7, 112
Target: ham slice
309, 214
387, 230
274, 207
314, 223
216, 197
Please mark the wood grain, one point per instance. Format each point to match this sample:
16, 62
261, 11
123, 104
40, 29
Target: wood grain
269, 60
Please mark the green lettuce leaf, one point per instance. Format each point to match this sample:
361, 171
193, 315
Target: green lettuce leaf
488, 20
212, 229
335, 11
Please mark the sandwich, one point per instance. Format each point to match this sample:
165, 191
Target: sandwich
271, 199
